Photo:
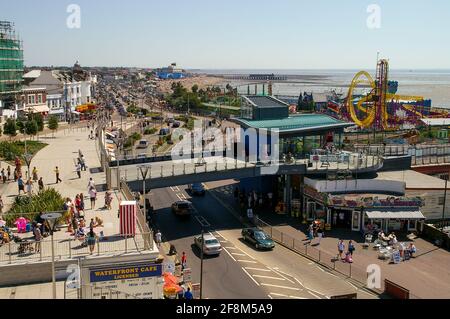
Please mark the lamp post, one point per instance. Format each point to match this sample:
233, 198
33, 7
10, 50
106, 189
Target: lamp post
201, 264
28, 157
51, 218
118, 142
144, 172
445, 202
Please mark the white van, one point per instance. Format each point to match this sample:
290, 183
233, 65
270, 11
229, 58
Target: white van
142, 144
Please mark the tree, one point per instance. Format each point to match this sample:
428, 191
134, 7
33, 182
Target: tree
53, 124
39, 121
195, 88
31, 127
10, 127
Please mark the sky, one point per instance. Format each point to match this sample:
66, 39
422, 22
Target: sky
234, 34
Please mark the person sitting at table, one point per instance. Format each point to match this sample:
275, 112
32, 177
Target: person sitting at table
412, 250
80, 233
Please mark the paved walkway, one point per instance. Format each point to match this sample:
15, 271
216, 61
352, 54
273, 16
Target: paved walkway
426, 276
62, 151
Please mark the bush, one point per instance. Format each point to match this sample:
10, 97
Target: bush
9, 150
48, 200
150, 131
136, 136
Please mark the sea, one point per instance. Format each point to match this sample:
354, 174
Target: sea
431, 84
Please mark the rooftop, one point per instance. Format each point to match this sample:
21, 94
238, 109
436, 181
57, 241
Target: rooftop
265, 101
297, 123
413, 179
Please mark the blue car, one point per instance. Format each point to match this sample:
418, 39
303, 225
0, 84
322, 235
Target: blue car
197, 189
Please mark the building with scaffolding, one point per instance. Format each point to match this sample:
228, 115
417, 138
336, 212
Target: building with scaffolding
11, 69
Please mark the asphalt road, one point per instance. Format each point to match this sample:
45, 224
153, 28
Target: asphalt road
241, 272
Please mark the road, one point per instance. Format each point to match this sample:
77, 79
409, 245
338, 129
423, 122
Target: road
241, 272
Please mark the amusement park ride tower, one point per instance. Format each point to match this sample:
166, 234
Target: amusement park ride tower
372, 110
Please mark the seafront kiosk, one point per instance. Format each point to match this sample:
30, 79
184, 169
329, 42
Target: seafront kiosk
361, 205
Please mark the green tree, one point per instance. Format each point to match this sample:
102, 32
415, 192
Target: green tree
39, 121
10, 127
53, 124
194, 89
31, 127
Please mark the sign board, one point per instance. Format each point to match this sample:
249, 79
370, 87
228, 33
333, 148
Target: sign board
396, 258
142, 280
125, 272
169, 267
196, 291
187, 276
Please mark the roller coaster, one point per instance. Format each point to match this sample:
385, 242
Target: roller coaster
378, 108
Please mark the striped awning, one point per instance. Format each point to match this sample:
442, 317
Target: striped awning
404, 214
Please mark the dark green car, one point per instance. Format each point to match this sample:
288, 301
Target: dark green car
258, 238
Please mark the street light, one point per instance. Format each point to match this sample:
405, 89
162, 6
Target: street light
118, 142
201, 265
28, 157
144, 172
51, 218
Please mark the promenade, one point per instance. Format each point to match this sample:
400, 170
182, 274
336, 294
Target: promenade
62, 151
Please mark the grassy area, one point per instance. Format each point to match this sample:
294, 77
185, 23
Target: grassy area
9, 150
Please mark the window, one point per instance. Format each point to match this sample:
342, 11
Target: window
29, 99
33, 99
39, 98
441, 200
78, 90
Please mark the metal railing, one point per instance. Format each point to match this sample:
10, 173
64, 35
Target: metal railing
70, 248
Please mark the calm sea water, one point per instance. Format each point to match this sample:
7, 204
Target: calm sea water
431, 84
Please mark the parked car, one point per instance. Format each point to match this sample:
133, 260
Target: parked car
182, 208
258, 238
143, 144
197, 189
211, 247
164, 131
141, 156
176, 124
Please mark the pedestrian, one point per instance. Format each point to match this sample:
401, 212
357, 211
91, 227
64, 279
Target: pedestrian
92, 224
108, 200
91, 183
1, 205
8, 170
3, 176
320, 234
183, 261
92, 196
83, 163
41, 184
58, 180
81, 209
341, 248
311, 233
78, 170
91, 239
37, 236
29, 185
351, 247
158, 238
188, 294
35, 174
20, 184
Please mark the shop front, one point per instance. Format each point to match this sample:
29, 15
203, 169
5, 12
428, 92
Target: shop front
361, 213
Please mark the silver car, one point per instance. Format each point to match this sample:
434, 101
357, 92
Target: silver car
211, 247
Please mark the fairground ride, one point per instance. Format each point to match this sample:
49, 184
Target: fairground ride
371, 110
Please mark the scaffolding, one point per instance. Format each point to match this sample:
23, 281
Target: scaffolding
11, 63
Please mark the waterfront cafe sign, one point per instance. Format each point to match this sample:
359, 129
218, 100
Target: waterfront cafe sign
370, 202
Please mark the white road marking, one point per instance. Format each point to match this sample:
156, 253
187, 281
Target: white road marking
278, 273
178, 195
221, 235
258, 269
356, 288
311, 293
233, 248
257, 283
278, 295
202, 221
294, 297
320, 268
282, 287
223, 241
183, 196
229, 254
270, 296
238, 254
247, 261
269, 277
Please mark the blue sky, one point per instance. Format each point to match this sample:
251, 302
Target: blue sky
281, 34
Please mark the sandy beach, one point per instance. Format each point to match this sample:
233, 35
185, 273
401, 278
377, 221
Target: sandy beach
202, 81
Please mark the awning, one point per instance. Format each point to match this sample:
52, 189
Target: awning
38, 109
408, 214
